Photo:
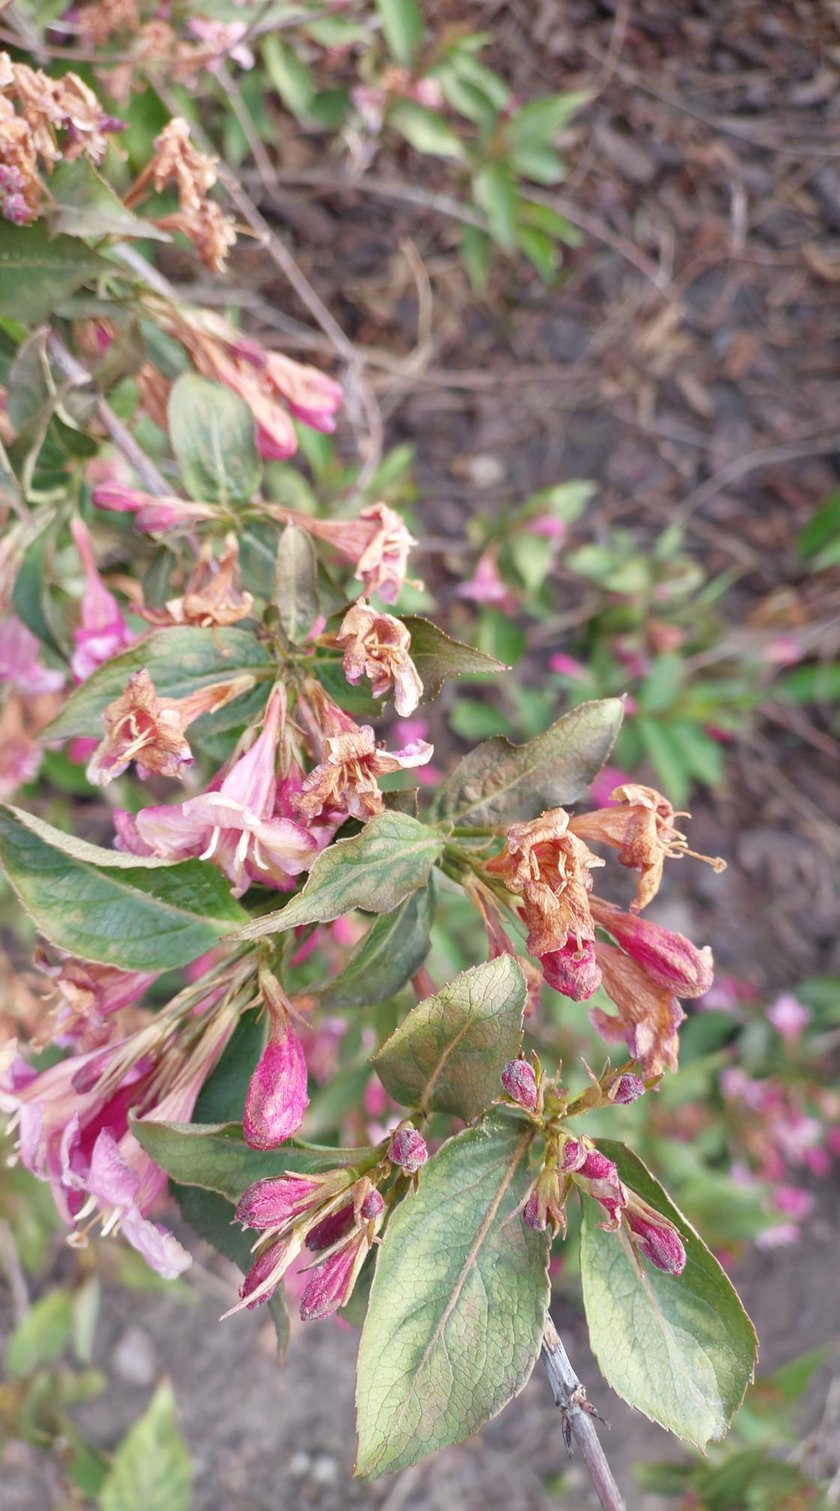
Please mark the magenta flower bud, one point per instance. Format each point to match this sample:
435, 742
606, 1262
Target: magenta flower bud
271, 1202
573, 1154
259, 1276
533, 1216
661, 1245
596, 1166
15, 209
333, 1281
520, 1083
373, 1206
408, 1150
628, 1088
668, 959
573, 971
277, 1099
331, 1228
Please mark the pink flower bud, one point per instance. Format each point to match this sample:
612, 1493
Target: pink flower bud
573, 971
277, 1099
408, 1150
533, 1216
273, 1201
258, 1278
670, 960
333, 1281
331, 1228
372, 1206
573, 1154
520, 1083
596, 1166
628, 1088
661, 1245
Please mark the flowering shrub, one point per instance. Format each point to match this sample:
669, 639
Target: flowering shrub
232, 964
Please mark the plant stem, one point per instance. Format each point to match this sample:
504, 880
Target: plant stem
120, 435
578, 1427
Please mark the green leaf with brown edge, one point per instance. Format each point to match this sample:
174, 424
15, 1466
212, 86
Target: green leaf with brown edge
375, 870
85, 205
448, 1053
38, 272
500, 783
458, 1302
680, 1348
122, 910
215, 1156
296, 584
214, 439
394, 947
438, 657
180, 661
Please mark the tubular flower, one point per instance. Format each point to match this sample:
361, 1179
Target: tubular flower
377, 646
212, 596
103, 632
649, 1015
339, 1212
377, 541
152, 515
549, 867
641, 828
670, 960
86, 997
20, 666
344, 783
150, 730
176, 161
573, 970
236, 825
277, 1097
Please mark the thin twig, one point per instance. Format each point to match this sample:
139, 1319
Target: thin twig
10, 1260
742, 465
577, 1413
120, 435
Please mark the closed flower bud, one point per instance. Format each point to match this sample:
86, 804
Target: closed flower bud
277, 1098
668, 959
331, 1228
520, 1083
373, 1206
657, 1240
533, 1216
628, 1088
573, 970
572, 1155
271, 1202
408, 1150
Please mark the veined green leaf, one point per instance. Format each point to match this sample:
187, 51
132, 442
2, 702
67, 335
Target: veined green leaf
394, 947
38, 272
213, 437
216, 1158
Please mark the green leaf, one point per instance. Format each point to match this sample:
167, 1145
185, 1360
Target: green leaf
141, 915
542, 120
37, 272
296, 584
375, 870
438, 657
477, 255
500, 783
680, 1348
42, 1334
180, 661
402, 24
289, 75
447, 1055
88, 206
425, 130
538, 162
222, 1097
540, 251
394, 947
151, 1469
458, 1302
216, 1158
214, 440
495, 192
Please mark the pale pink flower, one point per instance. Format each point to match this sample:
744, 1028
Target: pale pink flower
222, 40
87, 995
377, 541
103, 631
793, 1201
668, 959
486, 585
235, 826
789, 1017
608, 779
377, 646
567, 666
19, 663
311, 396
153, 515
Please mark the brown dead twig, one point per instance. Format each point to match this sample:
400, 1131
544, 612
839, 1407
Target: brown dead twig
576, 1415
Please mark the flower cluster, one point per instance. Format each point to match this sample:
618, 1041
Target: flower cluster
42, 122
176, 161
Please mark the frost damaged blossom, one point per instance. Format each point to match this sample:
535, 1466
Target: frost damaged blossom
641, 828
649, 1015
344, 783
377, 541
549, 867
212, 595
277, 1098
103, 631
204, 223
377, 646
150, 730
236, 824
668, 959
47, 109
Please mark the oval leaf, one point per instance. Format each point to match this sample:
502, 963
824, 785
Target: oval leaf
180, 661
213, 437
680, 1348
296, 583
216, 1158
141, 915
151, 1468
499, 783
438, 657
375, 871
393, 948
458, 1302
448, 1053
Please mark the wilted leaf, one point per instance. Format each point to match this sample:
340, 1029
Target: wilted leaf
296, 583
458, 1302
448, 1053
213, 437
680, 1348
501, 783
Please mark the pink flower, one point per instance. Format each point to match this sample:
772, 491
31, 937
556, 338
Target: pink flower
608, 779
655, 1237
312, 397
153, 515
87, 996
377, 646
789, 1016
276, 1200
567, 666
486, 585
19, 663
223, 40
277, 1098
333, 1281
778, 1236
668, 959
793, 1201
377, 541
573, 970
236, 826
103, 632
